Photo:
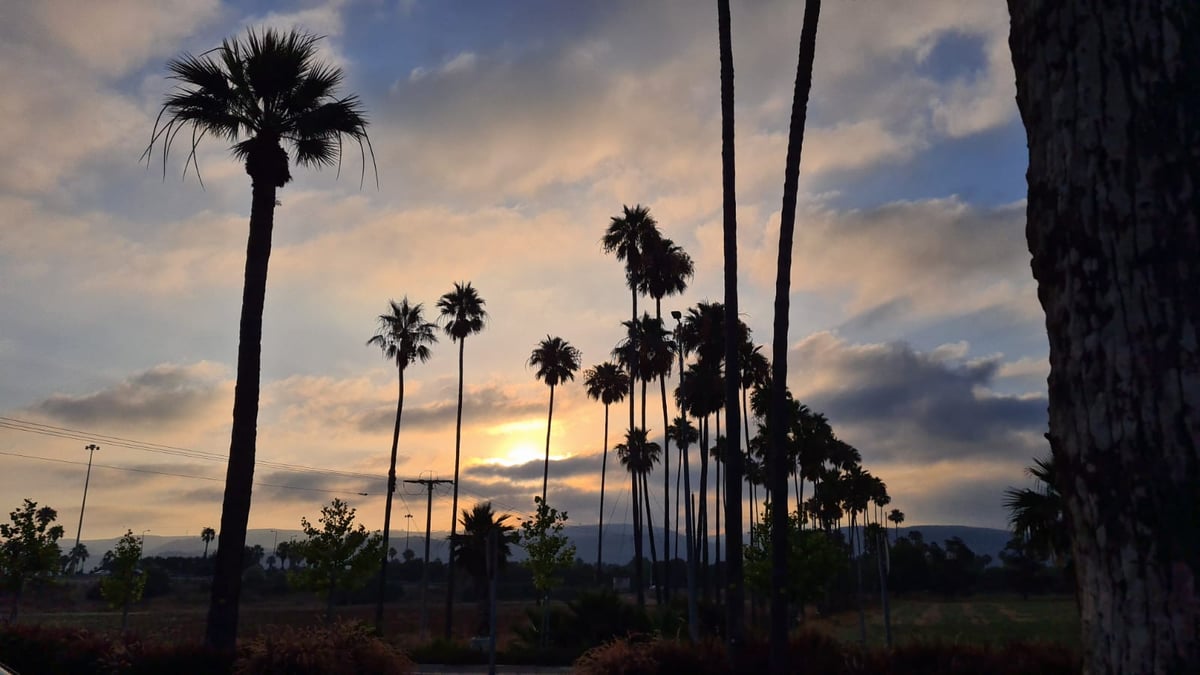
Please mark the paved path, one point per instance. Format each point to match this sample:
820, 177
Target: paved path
482, 670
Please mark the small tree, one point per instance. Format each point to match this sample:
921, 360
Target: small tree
338, 555
75, 559
29, 550
813, 560
127, 581
549, 553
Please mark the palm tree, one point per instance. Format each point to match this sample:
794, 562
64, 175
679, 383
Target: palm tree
638, 455
897, 517
627, 236
606, 383
556, 362
1037, 514
666, 271
269, 96
779, 340
462, 315
684, 435
403, 336
207, 535
471, 550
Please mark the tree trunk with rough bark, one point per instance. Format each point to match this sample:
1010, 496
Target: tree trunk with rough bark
222, 623
1110, 96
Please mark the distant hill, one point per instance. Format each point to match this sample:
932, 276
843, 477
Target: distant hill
618, 542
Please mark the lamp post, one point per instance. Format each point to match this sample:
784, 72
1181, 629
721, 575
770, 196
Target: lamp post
91, 448
407, 530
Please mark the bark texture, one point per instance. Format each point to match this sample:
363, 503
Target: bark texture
1110, 96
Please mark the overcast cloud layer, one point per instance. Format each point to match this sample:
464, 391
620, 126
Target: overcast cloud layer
506, 135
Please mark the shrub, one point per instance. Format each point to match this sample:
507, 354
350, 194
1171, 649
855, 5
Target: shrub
343, 648
39, 649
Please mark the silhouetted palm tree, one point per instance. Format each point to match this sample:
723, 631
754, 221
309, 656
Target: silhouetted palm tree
404, 336
462, 315
207, 535
897, 517
608, 384
779, 339
638, 455
471, 550
268, 95
1037, 514
556, 362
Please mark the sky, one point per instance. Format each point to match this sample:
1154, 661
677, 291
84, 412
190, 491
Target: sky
506, 134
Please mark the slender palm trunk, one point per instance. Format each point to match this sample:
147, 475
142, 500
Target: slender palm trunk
880, 556
678, 491
633, 371
635, 501
462, 343
546, 465
222, 624
387, 509
702, 520
719, 505
856, 540
666, 454
779, 341
689, 520
600, 527
645, 488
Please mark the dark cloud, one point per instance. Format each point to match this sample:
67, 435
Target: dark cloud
900, 404
976, 501
164, 394
484, 404
559, 468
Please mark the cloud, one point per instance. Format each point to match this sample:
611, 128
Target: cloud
898, 404
459, 63
486, 403
568, 467
164, 395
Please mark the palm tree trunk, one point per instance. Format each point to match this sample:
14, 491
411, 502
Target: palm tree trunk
883, 590
666, 454
856, 539
462, 343
637, 538
387, 508
645, 488
702, 520
637, 543
600, 527
735, 603
1107, 92
719, 573
779, 341
546, 465
222, 623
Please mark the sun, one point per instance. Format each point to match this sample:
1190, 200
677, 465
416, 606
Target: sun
520, 453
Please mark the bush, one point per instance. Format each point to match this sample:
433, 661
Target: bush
345, 648
32, 650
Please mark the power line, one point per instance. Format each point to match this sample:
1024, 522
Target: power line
171, 473
158, 448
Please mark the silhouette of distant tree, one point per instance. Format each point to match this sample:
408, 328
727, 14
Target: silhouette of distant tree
608, 384
471, 549
207, 535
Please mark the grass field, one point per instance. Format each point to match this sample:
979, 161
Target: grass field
975, 620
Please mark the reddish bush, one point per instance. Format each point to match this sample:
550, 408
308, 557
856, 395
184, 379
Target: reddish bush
347, 648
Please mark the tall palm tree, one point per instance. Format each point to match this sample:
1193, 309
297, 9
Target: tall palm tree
270, 97
462, 315
638, 455
404, 336
608, 384
207, 535
666, 271
735, 602
779, 340
627, 236
685, 435
471, 550
556, 362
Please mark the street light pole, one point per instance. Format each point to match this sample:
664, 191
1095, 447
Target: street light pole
91, 448
407, 530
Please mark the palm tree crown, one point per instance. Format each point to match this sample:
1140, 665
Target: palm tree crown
462, 312
637, 454
606, 383
556, 361
404, 335
268, 95
628, 235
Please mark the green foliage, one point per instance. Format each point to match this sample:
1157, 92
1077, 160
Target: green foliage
338, 555
29, 549
126, 581
549, 550
813, 561
344, 648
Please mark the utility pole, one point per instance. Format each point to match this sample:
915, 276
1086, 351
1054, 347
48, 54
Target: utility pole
428, 483
91, 448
